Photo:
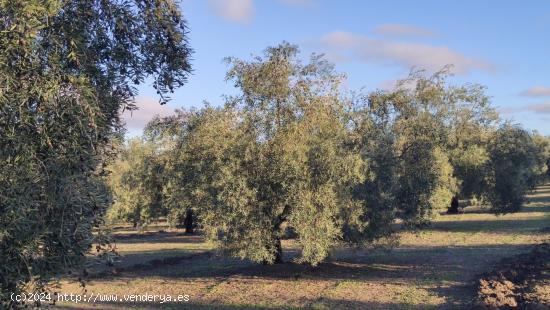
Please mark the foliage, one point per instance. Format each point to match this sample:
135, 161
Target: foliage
447, 186
405, 136
542, 157
469, 135
169, 135
135, 179
67, 69
513, 163
277, 153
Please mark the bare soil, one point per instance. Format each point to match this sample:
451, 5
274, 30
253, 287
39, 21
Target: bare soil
438, 267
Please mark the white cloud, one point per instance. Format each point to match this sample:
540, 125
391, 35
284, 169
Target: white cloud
242, 11
509, 110
541, 108
297, 2
392, 84
537, 108
403, 30
341, 39
405, 54
537, 91
147, 109
239, 11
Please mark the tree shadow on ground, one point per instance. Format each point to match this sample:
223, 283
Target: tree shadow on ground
157, 237
503, 226
538, 200
351, 304
526, 209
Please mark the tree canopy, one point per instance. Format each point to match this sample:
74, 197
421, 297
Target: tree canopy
67, 70
292, 151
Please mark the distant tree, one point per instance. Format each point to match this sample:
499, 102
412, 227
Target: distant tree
67, 69
542, 152
170, 135
471, 167
513, 164
472, 123
135, 180
404, 136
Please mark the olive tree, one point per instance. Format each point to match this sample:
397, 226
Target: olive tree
494, 161
67, 69
403, 136
472, 124
427, 145
135, 181
292, 151
170, 137
513, 168
276, 156
542, 157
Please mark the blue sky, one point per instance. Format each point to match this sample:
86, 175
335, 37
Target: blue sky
504, 45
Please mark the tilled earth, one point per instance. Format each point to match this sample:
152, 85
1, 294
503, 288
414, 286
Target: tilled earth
520, 282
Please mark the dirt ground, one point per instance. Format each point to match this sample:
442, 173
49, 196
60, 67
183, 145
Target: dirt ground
436, 268
518, 282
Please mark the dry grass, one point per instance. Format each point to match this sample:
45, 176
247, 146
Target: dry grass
430, 269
